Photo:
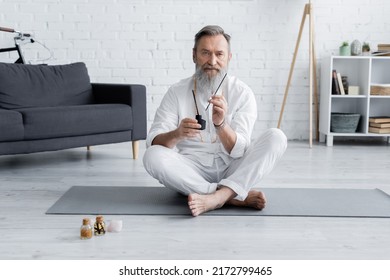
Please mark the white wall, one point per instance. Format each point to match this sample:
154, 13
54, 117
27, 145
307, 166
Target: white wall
150, 42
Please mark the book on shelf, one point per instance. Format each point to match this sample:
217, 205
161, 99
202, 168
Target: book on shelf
384, 119
380, 125
340, 82
381, 53
380, 89
383, 47
378, 130
335, 84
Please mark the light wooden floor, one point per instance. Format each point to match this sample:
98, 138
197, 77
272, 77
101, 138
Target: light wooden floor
30, 184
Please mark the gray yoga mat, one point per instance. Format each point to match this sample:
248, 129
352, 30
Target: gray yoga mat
280, 202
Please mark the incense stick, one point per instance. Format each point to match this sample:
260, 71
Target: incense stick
217, 89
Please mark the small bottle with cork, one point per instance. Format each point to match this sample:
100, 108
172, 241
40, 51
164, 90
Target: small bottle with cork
99, 226
86, 229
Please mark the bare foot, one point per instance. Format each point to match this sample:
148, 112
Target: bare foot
199, 203
255, 199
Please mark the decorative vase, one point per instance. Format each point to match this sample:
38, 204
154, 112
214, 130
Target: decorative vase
356, 47
345, 50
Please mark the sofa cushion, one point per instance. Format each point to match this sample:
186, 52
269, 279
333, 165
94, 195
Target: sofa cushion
26, 86
11, 125
64, 121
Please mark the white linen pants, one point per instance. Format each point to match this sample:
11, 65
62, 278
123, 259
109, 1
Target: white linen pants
184, 175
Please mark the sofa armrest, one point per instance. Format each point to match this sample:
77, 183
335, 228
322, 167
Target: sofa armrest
132, 95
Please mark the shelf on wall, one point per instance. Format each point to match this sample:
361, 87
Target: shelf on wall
362, 71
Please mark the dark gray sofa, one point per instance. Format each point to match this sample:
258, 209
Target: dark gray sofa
48, 108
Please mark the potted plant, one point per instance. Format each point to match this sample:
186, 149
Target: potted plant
366, 48
345, 49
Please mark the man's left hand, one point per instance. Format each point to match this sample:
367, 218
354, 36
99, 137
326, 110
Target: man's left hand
219, 108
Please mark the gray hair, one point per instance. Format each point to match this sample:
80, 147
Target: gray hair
211, 30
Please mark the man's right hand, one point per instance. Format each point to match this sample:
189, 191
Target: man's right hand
188, 128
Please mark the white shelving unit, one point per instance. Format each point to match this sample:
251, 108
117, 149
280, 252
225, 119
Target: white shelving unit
361, 71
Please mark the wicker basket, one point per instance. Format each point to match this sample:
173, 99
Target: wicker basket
344, 122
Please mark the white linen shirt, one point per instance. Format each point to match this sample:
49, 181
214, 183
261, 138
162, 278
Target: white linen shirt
178, 103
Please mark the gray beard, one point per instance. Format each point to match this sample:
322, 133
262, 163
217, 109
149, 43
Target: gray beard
206, 84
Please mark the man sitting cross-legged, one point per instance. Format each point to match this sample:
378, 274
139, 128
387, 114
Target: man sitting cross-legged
218, 164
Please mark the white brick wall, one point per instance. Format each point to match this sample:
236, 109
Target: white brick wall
150, 41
